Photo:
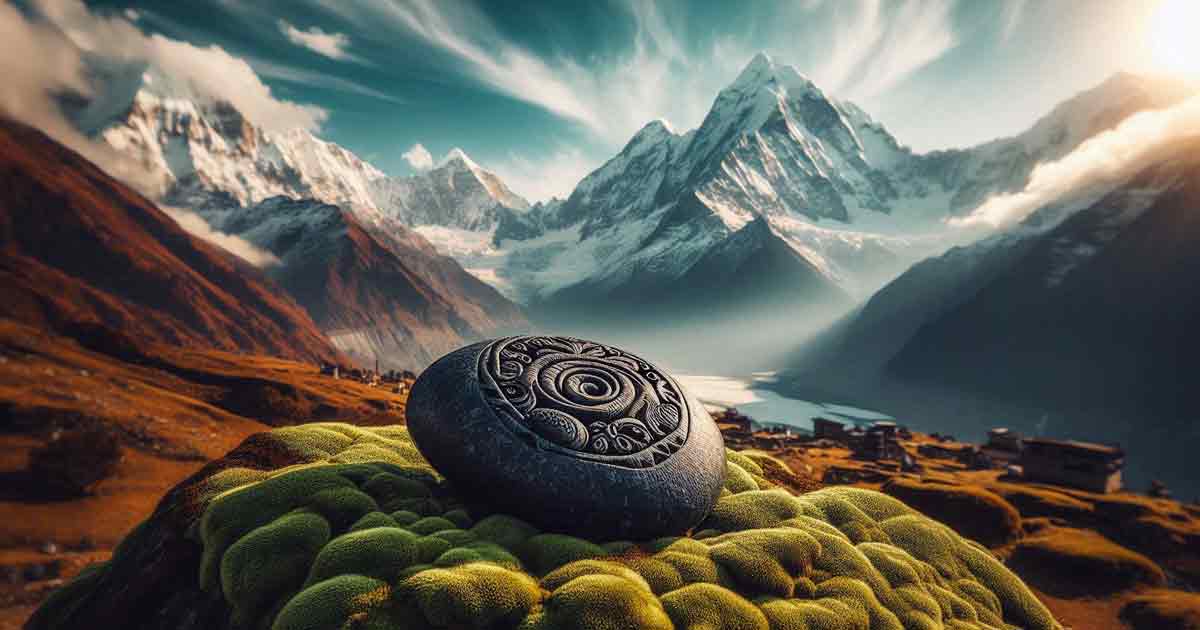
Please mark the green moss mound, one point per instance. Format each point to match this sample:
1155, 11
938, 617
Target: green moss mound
709, 607
364, 534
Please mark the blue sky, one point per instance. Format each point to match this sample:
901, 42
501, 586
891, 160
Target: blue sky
542, 93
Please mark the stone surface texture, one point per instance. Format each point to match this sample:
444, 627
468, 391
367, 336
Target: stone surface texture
572, 435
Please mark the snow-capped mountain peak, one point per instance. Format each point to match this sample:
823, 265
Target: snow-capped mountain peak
458, 158
457, 193
763, 73
193, 145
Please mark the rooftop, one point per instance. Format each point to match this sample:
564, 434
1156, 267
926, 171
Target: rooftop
1091, 447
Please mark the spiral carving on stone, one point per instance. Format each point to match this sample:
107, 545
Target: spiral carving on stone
585, 399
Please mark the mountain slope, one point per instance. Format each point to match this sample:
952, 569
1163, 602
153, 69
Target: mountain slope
1078, 322
77, 246
1098, 311
379, 293
833, 184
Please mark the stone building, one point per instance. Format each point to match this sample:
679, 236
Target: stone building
1003, 445
826, 429
1083, 465
731, 422
881, 441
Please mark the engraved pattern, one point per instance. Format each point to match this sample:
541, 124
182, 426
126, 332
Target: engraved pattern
585, 399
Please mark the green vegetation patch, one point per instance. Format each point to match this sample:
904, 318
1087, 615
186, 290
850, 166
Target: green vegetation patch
364, 534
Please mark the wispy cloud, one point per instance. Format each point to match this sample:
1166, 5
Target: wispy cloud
418, 157
332, 45
1105, 159
871, 45
491, 58
293, 74
541, 177
1011, 14
195, 225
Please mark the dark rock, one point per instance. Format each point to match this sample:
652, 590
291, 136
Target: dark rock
10, 574
73, 462
571, 435
52, 570
34, 572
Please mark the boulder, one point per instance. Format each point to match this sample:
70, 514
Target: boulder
571, 435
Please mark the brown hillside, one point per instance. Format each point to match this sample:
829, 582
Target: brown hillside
78, 246
170, 409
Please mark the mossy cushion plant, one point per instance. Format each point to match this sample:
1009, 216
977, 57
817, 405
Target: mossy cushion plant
315, 546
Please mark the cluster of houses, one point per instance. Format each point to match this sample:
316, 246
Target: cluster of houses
1084, 465
396, 380
740, 431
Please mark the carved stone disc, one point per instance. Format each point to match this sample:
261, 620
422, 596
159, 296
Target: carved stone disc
571, 435
585, 399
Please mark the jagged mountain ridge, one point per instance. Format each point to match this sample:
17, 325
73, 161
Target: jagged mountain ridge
850, 200
79, 248
194, 146
191, 145
377, 288
834, 184
457, 193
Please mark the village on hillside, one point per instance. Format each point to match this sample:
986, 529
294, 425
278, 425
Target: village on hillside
874, 453
395, 381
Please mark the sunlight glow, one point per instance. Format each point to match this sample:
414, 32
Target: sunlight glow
1173, 40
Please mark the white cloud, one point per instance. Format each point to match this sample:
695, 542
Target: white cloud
332, 45
210, 71
919, 33
612, 101
539, 178
26, 93
418, 157
195, 225
215, 73
1104, 160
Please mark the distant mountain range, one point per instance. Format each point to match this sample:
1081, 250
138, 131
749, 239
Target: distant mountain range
79, 250
784, 203
786, 164
831, 184
376, 288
